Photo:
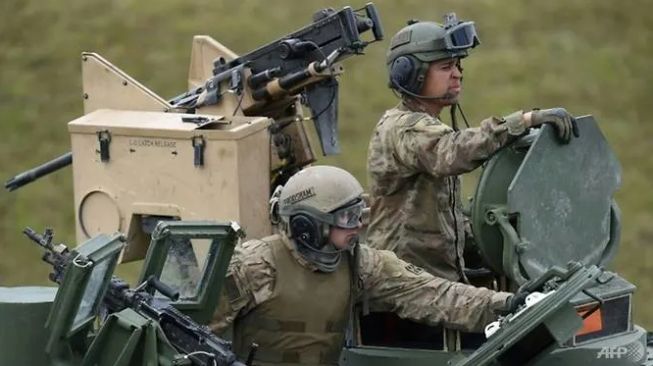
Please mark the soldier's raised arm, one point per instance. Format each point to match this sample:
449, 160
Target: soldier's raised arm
425, 144
407, 290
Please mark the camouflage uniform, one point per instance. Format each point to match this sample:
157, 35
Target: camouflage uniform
413, 163
308, 327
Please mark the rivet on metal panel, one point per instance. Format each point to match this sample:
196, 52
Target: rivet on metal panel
522, 247
490, 218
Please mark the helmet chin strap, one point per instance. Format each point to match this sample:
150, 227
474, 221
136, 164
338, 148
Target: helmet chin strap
326, 260
353, 242
418, 102
446, 96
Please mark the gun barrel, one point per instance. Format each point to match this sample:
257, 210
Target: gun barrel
34, 236
41, 170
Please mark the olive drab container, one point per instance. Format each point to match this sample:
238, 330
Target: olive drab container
23, 313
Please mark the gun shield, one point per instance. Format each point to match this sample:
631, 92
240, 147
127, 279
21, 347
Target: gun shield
322, 99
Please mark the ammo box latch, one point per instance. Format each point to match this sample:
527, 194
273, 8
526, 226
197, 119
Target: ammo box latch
104, 137
198, 147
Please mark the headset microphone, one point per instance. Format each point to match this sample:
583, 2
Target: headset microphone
445, 96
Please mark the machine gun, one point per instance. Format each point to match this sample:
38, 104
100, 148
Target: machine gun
266, 82
183, 340
294, 63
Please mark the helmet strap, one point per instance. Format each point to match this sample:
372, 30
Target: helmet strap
452, 112
454, 121
421, 74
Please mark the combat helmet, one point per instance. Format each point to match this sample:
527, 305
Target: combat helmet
415, 46
313, 200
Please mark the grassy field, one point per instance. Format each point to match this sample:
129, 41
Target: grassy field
591, 57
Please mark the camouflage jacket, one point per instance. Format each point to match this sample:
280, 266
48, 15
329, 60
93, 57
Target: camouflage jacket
387, 282
413, 164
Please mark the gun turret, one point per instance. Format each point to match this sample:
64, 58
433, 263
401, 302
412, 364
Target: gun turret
305, 61
267, 81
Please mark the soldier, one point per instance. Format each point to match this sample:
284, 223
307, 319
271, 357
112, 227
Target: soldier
414, 159
293, 293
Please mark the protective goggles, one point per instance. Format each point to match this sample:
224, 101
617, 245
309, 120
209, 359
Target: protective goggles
349, 217
461, 36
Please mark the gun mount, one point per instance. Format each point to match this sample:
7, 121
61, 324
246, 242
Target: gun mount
152, 321
264, 82
226, 143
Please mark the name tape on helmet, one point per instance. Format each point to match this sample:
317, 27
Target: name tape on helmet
299, 196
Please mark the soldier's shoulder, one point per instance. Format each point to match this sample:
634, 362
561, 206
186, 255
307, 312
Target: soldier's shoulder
401, 118
382, 263
256, 250
371, 258
369, 251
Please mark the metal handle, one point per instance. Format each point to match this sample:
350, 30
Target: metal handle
164, 289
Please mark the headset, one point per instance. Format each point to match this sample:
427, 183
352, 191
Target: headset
307, 231
407, 75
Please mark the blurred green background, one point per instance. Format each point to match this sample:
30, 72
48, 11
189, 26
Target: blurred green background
591, 56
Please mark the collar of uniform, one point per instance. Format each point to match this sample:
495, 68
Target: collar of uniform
402, 106
405, 105
292, 247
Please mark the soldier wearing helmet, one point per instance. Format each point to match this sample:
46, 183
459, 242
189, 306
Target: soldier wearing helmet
293, 293
414, 159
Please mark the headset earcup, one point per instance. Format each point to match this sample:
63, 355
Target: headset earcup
403, 72
305, 230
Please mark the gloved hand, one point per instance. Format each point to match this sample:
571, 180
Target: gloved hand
514, 302
562, 121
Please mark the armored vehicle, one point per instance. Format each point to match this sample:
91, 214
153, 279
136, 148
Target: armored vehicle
179, 182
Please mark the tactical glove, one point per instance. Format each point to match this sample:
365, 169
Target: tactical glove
514, 302
562, 121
